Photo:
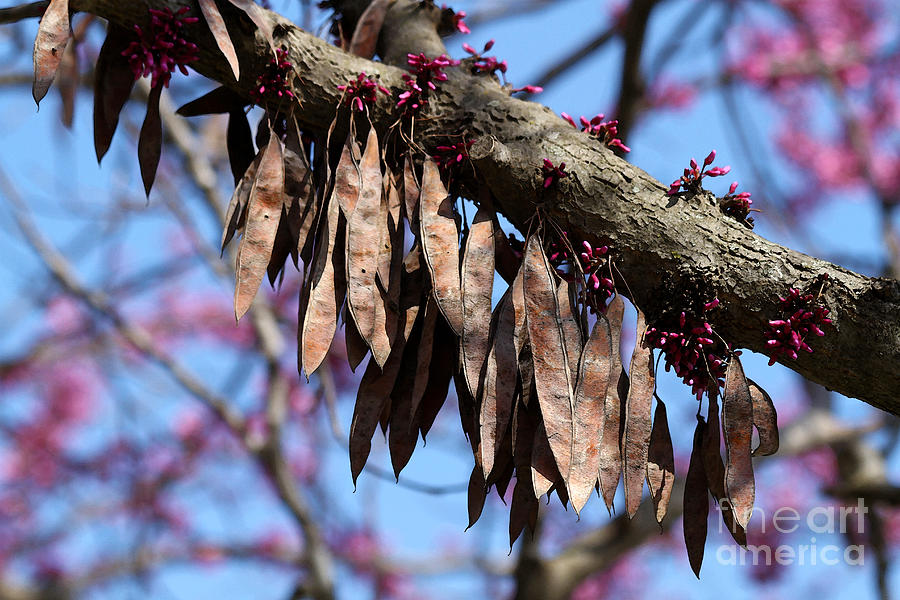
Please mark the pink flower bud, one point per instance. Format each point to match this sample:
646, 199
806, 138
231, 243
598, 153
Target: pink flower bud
712, 304
709, 159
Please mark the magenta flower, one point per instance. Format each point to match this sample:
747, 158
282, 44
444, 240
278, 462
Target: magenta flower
528, 89
458, 20
452, 156
361, 92
460, 24
605, 131
737, 206
691, 180
485, 64
799, 318
161, 47
691, 350
552, 173
427, 72
413, 98
273, 83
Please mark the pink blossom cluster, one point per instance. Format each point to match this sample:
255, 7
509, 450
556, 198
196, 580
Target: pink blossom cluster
552, 173
737, 206
427, 72
593, 262
605, 131
599, 288
161, 47
691, 180
800, 317
485, 64
690, 349
458, 22
449, 157
273, 83
361, 92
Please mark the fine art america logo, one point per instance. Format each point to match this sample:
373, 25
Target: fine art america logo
821, 520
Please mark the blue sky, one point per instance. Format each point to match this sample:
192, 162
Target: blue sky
56, 166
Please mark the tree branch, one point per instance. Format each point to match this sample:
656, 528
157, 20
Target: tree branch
665, 250
31, 10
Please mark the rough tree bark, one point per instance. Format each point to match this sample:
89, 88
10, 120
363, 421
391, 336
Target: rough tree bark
664, 249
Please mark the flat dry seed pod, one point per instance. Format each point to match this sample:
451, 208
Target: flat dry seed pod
737, 425
411, 196
236, 214
239, 142
374, 392
715, 470
507, 262
425, 350
503, 462
356, 346
365, 36
326, 292
113, 82
263, 214
363, 237
390, 253
520, 332
384, 323
502, 480
590, 393
477, 288
385, 419
696, 503
468, 416
523, 427
220, 100
562, 494
440, 243
660, 463
552, 377
610, 450
386, 294
403, 433
638, 405
522, 510
526, 377
499, 384
49, 46
217, 27
150, 140
282, 248
765, 419
67, 82
347, 177
544, 473
300, 194
440, 373
571, 328
477, 494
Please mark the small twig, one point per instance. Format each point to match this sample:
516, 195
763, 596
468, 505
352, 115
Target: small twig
14, 14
